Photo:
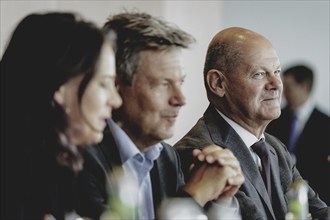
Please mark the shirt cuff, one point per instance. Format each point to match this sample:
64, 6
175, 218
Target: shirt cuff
218, 211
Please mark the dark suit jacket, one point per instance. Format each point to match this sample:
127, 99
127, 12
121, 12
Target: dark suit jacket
312, 148
33, 184
252, 196
166, 177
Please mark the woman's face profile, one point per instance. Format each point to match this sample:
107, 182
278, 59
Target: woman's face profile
87, 119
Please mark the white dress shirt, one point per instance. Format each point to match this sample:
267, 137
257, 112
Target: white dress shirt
248, 138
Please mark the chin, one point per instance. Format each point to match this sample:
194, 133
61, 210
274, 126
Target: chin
94, 138
98, 138
167, 135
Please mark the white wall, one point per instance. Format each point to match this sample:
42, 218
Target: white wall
298, 29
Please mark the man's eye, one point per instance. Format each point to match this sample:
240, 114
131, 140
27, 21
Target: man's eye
259, 74
277, 72
165, 84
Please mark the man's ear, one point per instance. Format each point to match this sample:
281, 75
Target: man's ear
215, 82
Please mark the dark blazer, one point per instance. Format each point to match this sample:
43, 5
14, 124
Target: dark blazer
312, 148
33, 184
166, 177
252, 196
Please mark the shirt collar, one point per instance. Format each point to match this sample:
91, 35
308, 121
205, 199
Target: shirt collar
127, 149
153, 152
248, 138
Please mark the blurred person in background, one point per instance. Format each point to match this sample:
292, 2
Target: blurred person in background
150, 77
305, 129
57, 90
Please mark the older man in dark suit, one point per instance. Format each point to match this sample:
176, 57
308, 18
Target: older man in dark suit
243, 84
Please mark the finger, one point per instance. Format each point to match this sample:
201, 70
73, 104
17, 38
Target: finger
199, 155
231, 162
211, 148
230, 192
196, 152
221, 160
237, 180
218, 153
191, 167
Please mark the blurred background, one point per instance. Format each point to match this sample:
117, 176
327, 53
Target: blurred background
299, 30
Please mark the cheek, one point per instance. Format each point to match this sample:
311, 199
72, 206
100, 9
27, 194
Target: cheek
74, 115
241, 94
154, 108
145, 103
92, 105
249, 97
148, 114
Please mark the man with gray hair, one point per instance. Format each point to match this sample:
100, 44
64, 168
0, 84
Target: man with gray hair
149, 79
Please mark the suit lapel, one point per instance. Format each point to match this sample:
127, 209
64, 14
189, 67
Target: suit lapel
223, 135
277, 190
109, 148
109, 159
158, 183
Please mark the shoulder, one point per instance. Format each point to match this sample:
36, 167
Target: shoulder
320, 114
280, 149
197, 137
95, 162
92, 154
168, 152
276, 143
168, 163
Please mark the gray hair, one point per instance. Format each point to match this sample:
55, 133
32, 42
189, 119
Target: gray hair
223, 56
140, 31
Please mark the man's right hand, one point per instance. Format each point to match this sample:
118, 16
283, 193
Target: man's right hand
216, 176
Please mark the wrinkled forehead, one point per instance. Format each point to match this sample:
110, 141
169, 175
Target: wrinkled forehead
158, 57
252, 45
161, 62
258, 53
257, 46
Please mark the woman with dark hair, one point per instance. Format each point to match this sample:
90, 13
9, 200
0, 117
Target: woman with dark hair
57, 90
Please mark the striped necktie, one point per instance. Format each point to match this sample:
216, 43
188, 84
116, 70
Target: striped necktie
261, 150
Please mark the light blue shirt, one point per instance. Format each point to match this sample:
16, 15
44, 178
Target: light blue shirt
139, 165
